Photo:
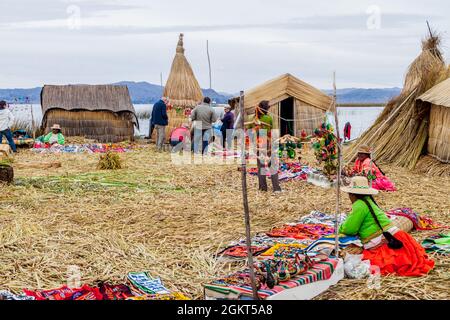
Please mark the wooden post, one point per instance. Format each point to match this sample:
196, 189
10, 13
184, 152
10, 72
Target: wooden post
32, 122
209, 64
339, 168
245, 200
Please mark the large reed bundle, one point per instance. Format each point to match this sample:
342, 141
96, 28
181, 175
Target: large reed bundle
182, 87
400, 133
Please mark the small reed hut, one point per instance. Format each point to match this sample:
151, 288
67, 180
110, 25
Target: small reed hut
400, 133
100, 112
295, 104
437, 99
182, 89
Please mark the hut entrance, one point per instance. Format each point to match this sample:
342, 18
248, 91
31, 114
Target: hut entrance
287, 117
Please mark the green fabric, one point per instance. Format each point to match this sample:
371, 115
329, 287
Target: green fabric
444, 240
267, 119
47, 138
360, 221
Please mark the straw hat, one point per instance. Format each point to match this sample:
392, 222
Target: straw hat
56, 127
365, 149
359, 185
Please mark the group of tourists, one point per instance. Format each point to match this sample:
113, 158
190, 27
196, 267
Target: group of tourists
200, 128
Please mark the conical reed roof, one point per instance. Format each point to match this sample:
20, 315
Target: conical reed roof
182, 87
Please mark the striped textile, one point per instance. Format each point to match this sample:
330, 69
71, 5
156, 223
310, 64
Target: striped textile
320, 271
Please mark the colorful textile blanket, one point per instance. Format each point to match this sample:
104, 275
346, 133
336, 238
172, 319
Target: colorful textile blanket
288, 171
6, 295
65, 293
301, 231
263, 240
240, 251
419, 222
326, 244
320, 271
115, 292
143, 283
171, 296
439, 243
317, 217
83, 148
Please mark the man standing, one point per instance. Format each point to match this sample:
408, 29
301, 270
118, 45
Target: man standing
6, 121
203, 116
160, 121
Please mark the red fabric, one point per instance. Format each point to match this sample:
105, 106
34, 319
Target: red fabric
66, 293
409, 261
178, 134
301, 231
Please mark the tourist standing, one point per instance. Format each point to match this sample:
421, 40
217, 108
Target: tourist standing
203, 116
6, 121
160, 121
227, 124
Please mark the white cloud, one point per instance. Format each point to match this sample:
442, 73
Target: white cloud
250, 40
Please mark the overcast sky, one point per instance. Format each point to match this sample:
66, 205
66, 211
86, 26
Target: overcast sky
368, 43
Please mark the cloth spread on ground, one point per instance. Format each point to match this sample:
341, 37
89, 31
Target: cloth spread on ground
419, 222
6, 295
301, 231
65, 293
240, 251
288, 171
82, 148
439, 243
317, 217
142, 283
319, 271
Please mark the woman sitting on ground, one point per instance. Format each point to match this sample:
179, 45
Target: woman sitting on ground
402, 255
55, 136
366, 166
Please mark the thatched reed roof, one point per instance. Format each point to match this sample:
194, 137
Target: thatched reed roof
111, 98
182, 87
286, 86
400, 133
438, 95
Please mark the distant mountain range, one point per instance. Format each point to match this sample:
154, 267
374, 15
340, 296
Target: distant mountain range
144, 92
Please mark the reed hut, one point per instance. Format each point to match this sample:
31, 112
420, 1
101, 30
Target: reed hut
295, 104
100, 112
182, 88
400, 134
437, 100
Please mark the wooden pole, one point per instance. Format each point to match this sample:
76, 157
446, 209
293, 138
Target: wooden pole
160, 76
245, 200
339, 168
209, 64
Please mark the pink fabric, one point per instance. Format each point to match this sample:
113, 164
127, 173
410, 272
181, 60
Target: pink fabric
179, 134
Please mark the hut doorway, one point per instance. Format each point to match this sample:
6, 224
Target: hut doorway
287, 117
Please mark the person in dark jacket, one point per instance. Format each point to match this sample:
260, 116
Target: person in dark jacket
227, 124
160, 121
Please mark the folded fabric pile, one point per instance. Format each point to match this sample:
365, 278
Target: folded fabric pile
419, 222
142, 283
439, 244
326, 244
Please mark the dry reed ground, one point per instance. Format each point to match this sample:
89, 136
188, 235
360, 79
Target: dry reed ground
169, 220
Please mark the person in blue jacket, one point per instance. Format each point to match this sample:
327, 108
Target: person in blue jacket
160, 121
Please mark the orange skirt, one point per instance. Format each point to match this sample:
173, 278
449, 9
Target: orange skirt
409, 261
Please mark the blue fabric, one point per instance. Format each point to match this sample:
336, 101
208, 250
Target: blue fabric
159, 114
8, 134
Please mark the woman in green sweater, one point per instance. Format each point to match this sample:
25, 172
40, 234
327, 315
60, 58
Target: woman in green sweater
371, 224
267, 160
55, 136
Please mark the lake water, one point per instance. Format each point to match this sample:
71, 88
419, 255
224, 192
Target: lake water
361, 118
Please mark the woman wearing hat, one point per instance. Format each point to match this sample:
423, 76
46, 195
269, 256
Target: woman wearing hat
54, 136
365, 165
394, 251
